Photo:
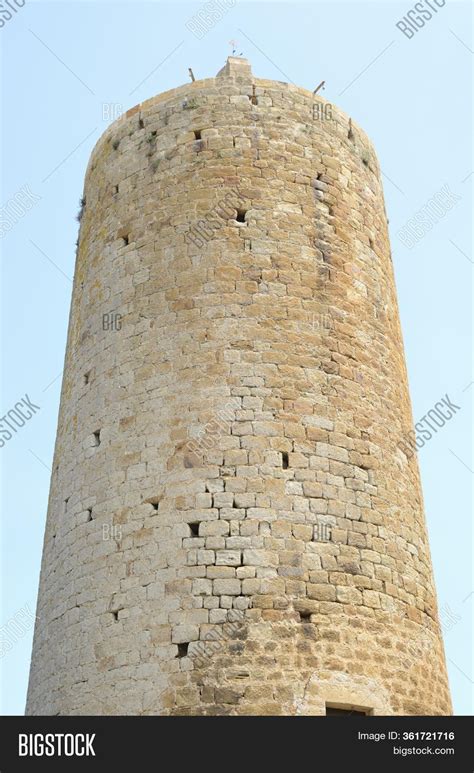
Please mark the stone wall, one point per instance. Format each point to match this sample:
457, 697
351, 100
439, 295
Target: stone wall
232, 528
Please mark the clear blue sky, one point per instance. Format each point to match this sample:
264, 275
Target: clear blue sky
61, 62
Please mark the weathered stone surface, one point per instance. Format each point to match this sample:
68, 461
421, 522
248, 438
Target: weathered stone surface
231, 527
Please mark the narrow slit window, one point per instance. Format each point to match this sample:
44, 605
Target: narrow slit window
182, 649
194, 529
97, 437
284, 460
125, 240
197, 134
241, 215
305, 617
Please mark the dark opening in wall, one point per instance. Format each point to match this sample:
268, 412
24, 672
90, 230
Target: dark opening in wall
347, 711
89, 514
97, 437
194, 529
241, 215
305, 617
350, 133
319, 175
141, 125
371, 244
125, 240
365, 161
87, 377
115, 613
115, 144
284, 460
197, 134
65, 504
253, 96
182, 649
155, 503
115, 189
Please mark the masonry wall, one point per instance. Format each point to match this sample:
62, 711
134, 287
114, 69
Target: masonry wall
232, 528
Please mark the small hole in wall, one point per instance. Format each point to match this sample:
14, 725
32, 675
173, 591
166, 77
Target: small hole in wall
371, 244
305, 617
197, 134
87, 377
241, 215
194, 529
96, 435
125, 240
284, 460
141, 125
115, 144
182, 649
115, 613
115, 189
319, 176
155, 503
65, 504
89, 514
365, 161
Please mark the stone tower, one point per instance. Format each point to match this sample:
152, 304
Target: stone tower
232, 526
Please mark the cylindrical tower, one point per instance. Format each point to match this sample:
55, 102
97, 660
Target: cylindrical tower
233, 527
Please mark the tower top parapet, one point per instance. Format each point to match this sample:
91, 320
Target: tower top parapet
235, 67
